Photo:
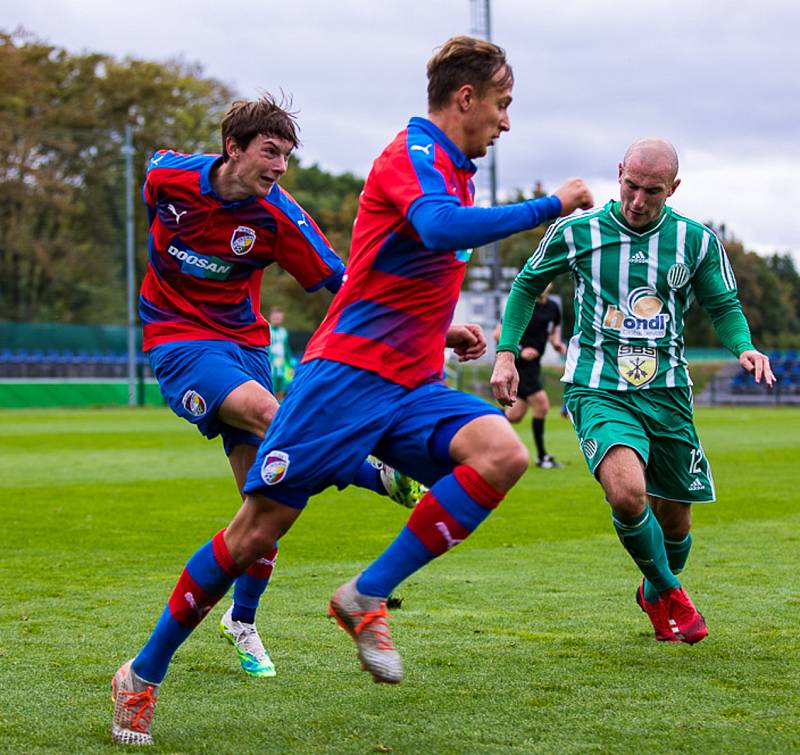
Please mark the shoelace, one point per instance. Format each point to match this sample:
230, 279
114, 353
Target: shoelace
146, 702
247, 635
375, 621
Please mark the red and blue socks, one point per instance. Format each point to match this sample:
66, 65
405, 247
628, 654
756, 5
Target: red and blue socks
448, 513
248, 589
643, 538
207, 576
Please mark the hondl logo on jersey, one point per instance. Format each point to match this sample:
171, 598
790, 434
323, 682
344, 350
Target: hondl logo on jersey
194, 403
642, 316
199, 265
273, 470
242, 240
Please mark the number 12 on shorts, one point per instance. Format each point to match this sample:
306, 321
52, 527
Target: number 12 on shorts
697, 459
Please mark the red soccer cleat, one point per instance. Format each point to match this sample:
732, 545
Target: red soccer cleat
657, 614
685, 621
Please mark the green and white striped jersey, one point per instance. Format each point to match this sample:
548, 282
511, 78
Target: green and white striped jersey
632, 291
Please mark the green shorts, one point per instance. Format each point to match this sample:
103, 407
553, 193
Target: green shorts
657, 424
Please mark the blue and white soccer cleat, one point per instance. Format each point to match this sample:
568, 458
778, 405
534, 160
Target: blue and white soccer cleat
246, 642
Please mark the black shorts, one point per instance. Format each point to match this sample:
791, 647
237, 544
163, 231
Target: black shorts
529, 382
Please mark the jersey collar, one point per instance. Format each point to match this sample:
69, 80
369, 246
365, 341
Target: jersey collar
207, 188
460, 160
617, 216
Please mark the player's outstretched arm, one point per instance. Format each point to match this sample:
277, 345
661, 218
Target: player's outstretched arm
574, 195
757, 364
468, 341
505, 379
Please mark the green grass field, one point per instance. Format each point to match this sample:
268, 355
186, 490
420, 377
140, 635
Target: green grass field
524, 639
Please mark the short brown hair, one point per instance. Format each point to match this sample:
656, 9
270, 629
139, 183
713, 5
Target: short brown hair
465, 60
246, 119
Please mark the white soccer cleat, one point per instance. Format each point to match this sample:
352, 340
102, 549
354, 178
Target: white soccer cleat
247, 643
134, 702
364, 617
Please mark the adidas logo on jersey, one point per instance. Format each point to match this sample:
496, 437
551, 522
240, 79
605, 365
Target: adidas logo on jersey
696, 485
639, 256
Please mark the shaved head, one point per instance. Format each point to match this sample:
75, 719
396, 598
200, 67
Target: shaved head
653, 153
647, 178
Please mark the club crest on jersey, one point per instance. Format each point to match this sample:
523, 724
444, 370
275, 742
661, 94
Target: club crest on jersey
273, 470
638, 365
640, 316
678, 276
242, 240
194, 403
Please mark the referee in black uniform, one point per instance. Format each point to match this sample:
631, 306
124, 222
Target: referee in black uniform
545, 325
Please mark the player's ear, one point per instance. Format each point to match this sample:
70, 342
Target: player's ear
464, 97
232, 146
675, 184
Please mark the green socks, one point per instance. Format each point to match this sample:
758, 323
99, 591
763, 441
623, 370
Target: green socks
643, 538
677, 554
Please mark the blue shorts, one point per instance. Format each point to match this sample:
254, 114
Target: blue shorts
196, 376
335, 415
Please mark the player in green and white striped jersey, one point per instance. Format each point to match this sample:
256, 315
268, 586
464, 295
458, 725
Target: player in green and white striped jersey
637, 266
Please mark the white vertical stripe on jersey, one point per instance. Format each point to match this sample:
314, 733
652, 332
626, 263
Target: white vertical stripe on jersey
727, 270
622, 298
599, 358
680, 256
652, 270
703, 249
700, 257
574, 348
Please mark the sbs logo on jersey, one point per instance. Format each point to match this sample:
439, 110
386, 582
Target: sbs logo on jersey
194, 403
637, 364
678, 276
273, 470
641, 315
242, 240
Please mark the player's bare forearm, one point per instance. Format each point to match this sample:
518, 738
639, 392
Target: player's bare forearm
505, 378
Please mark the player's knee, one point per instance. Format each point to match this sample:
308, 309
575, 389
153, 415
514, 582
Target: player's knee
627, 502
262, 413
513, 459
513, 417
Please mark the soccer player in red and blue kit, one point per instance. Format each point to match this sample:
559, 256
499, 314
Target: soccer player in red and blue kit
371, 377
215, 223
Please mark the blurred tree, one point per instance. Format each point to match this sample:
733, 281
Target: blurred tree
62, 190
62, 194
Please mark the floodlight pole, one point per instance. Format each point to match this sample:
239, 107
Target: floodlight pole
130, 271
482, 27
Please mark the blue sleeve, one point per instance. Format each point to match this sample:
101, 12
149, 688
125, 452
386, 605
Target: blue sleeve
447, 225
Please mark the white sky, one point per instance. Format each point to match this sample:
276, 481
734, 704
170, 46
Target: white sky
719, 79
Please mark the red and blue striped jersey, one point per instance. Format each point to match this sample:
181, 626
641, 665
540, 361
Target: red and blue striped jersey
396, 305
206, 255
